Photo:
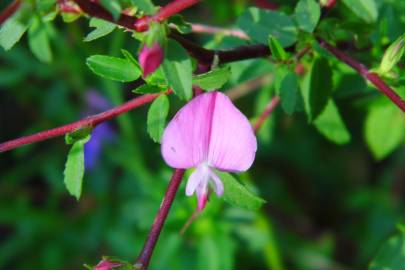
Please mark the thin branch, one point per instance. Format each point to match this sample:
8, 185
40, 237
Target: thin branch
9, 11
363, 70
90, 121
207, 29
267, 111
149, 246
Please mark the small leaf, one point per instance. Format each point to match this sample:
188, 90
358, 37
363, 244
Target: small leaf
365, 9
74, 168
78, 134
277, 51
392, 55
331, 125
181, 26
150, 89
157, 117
178, 70
307, 14
113, 68
11, 32
236, 194
384, 130
113, 7
213, 79
259, 24
145, 5
391, 255
318, 89
38, 40
289, 91
103, 28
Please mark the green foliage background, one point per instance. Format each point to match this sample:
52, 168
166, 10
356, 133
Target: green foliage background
329, 205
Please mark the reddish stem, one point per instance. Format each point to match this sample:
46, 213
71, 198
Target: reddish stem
362, 70
150, 243
9, 11
267, 111
90, 121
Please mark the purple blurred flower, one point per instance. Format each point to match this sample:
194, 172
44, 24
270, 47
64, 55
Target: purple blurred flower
150, 58
209, 133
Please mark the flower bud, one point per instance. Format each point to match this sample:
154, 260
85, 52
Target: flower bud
107, 265
150, 58
392, 55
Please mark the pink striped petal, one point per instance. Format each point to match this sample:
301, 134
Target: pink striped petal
212, 130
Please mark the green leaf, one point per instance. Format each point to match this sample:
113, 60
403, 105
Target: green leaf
11, 32
277, 51
178, 70
236, 194
259, 24
318, 89
392, 55
181, 26
145, 5
113, 7
150, 89
74, 168
391, 255
70, 17
103, 28
38, 41
213, 79
384, 129
307, 14
130, 58
78, 134
289, 91
331, 125
365, 9
157, 114
113, 68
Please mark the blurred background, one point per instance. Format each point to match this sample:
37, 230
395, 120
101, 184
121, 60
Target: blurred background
328, 206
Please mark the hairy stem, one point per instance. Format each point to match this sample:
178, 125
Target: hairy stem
144, 257
90, 121
363, 71
9, 11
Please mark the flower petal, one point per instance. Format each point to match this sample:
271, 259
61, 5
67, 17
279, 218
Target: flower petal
185, 141
150, 58
218, 186
193, 181
233, 143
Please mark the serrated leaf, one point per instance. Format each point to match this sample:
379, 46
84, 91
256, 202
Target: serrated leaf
236, 194
384, 130
365, 9
11, 32
331, 125
307, 14
289, 91
74, 168
277, 51
38, 40
103, 28
178, 70
113, 68
113, 7
213, 79
149, 89
391, 255
318, 89
259, 24
157, 114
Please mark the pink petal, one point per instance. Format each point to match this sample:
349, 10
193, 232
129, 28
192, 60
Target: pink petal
185, 141
150, 58
209, 129
218, 186
107, 265
233, 143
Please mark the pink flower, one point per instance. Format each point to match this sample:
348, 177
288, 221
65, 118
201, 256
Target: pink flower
150, 58
209, 133
107, 265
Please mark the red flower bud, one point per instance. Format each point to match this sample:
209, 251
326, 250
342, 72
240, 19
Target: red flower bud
150, 58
